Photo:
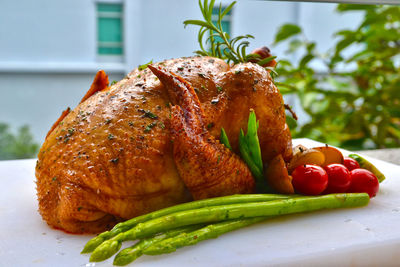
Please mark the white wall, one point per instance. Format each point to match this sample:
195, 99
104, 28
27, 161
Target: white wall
37, 99
47, 30
48, 48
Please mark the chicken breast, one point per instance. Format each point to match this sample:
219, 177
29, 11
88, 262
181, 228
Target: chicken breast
122, 152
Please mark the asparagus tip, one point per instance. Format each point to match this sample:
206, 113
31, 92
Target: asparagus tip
105, 250
127, 256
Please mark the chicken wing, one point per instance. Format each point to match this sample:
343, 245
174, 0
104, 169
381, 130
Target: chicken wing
208, 168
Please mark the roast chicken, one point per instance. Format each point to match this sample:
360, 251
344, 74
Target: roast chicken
151, 140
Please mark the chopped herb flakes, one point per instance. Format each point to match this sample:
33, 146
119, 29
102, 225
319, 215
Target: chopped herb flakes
148, 114
113, 82
219, 89
71, 131
149, 127
110, 137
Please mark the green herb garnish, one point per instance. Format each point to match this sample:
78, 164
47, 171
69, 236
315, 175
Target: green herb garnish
224, 139
218, 43
149, 114
250, 151
144, 66
149, 127
221, 45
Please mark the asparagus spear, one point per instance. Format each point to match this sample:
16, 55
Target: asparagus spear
227, 212
187, 239
130, 254
124, 226
369, 166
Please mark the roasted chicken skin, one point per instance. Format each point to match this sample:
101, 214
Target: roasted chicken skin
207, 168
143, 144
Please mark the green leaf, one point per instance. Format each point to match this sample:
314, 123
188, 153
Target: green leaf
266, 60
252, 140
144, 66
310, 47
210, 9
353, 7
342, 44
201, 6
304, 61
245, 153
224, 139
252, 57
198, 23
228, 8
286, 31
292, 123
344, 33
294, 45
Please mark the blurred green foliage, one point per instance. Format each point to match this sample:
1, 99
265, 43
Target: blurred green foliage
18, 146
354, 102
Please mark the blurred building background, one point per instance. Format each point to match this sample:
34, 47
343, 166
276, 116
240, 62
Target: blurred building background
50, 50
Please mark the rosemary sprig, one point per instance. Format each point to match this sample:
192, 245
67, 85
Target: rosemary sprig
221, 45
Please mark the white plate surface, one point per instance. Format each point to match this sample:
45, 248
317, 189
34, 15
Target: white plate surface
368, 236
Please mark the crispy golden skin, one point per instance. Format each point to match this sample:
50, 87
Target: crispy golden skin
208, 168
111, 158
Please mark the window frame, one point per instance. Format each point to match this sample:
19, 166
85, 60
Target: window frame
98, 14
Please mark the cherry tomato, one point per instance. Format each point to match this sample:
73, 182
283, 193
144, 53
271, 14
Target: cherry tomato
363, 181
338, 178
309, 179
350, 163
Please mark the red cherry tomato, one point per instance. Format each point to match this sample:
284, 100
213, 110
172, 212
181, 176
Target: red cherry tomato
338, 178
363, 181
350, 163
309, 179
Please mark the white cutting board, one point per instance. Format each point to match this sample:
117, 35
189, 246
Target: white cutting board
368, 236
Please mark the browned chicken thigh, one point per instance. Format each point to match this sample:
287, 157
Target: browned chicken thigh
143, 144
